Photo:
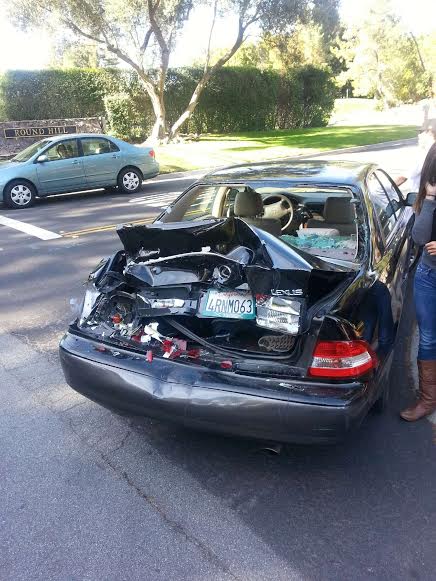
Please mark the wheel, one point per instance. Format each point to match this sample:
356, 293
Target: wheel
130, 180
19, 194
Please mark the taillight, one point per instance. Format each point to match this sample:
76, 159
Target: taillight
342, 359
278, 314
151, 153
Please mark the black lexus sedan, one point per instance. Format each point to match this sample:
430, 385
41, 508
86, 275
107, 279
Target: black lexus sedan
264, 302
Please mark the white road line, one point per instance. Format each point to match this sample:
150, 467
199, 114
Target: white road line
29, 229
155, 198
186, 177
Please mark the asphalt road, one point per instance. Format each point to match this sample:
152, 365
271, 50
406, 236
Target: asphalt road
85, 494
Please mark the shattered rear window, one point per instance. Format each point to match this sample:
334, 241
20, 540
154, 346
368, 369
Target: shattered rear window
326, 228
338, 247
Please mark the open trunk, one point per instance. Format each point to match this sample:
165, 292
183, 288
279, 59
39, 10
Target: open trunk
207, 292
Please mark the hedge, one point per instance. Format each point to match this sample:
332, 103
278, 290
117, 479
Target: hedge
236, 99
54, 93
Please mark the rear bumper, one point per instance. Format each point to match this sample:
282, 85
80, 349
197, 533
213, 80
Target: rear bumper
267, 409
150, 172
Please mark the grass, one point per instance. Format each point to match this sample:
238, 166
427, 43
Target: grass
354, 106
218, 150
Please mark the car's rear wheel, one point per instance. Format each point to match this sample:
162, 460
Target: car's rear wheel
130, 180
19, 194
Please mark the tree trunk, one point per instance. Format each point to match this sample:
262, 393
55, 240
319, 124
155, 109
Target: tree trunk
159, 131
175, 129
208, 72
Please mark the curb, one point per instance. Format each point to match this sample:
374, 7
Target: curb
371, 147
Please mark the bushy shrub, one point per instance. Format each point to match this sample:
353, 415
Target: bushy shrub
56, 93
236, 99
125, 119
306, 98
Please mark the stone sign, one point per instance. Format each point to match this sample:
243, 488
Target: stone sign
14, 132
17, 135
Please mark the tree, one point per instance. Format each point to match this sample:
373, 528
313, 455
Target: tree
70, 55
383, 58
143, 34
306, 43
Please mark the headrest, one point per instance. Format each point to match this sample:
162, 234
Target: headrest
248, 204
339, 211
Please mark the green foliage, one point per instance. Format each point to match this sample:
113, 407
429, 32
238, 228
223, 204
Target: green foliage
55, 93
125, 120
382, 58
236, 98
307, 98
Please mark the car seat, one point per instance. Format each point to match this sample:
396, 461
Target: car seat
338, 214
249, 206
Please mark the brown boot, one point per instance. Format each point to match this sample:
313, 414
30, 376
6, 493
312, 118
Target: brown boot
426, 403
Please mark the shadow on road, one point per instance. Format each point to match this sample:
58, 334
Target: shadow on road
362, 509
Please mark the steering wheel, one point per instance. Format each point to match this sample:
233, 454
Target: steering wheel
279, 207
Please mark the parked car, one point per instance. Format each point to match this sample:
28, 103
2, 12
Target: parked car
263, 302
73, 163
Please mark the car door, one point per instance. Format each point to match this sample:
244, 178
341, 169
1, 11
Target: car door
102, 161
402, 239
61, 169
393, 220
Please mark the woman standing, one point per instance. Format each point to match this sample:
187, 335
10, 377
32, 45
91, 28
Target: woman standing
424, 234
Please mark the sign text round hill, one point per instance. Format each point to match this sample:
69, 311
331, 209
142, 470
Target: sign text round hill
18, 132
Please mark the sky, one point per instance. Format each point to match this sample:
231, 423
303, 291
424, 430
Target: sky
20, 50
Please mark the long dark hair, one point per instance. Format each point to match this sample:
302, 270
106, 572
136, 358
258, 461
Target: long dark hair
428, 176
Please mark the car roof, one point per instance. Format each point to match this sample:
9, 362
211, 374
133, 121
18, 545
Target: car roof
75, 135
308, 171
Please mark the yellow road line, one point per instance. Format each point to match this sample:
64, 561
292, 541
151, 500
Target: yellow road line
95, 229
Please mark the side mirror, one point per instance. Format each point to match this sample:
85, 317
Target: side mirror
42, 158
411, 198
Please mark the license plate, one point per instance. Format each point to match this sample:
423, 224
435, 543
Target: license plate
228, 305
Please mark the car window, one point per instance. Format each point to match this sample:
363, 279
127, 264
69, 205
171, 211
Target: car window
199, 203
63, 150
27, 153
382, 205
97, 146
396, 203
338, 239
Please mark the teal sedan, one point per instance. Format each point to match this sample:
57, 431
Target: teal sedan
72, 163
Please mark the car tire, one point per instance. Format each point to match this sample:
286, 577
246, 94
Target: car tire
19, 194
129, 180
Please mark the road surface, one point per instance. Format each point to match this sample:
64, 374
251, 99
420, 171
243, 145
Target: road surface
86, 494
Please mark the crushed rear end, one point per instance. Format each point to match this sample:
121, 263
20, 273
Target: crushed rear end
220, 325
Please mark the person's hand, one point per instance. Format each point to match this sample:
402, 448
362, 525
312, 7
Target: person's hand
431, 248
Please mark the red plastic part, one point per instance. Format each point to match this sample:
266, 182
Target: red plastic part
226, 364
336, 352
151, 153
